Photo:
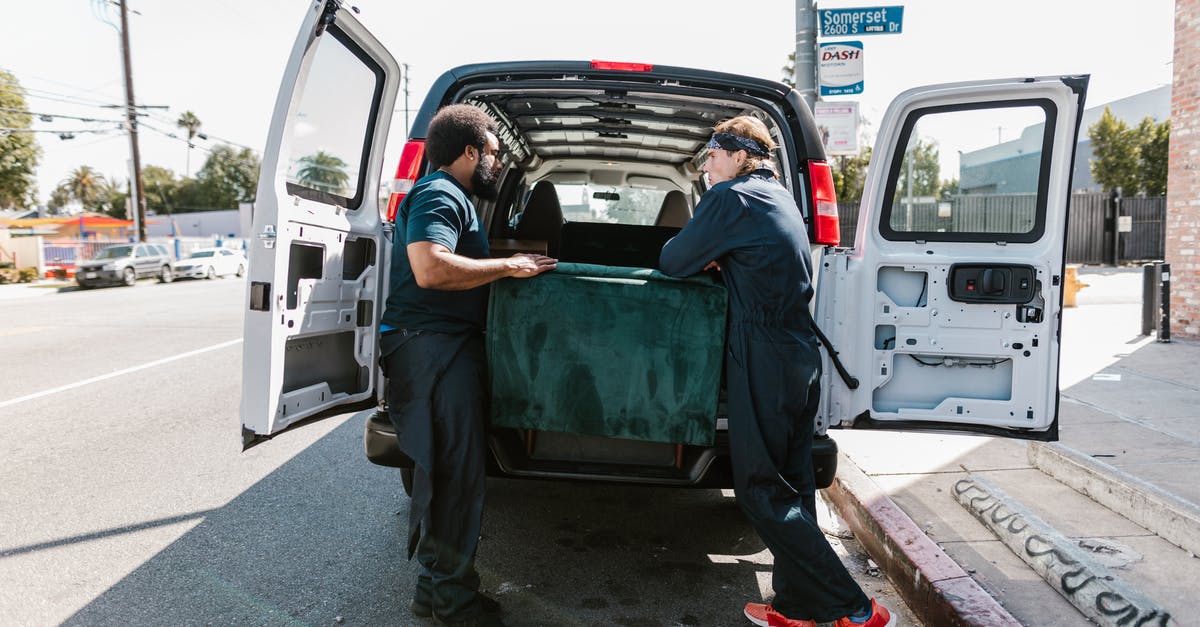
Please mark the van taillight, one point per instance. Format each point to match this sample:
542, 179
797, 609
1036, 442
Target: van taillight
827, 229
619, 65
406, 175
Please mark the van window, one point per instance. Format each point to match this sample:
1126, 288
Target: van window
977, 173
330, 133
586, 202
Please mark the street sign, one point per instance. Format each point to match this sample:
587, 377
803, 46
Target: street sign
840, 68
861, 21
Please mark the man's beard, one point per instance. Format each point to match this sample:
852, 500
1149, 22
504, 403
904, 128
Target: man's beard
485, 181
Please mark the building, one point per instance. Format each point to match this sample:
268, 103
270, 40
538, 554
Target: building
1183, 174
1011, 167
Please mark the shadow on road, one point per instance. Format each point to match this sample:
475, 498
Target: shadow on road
320, 541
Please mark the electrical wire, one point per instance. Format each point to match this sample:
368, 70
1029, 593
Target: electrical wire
43, 116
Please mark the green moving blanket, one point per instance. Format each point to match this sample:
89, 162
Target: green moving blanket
610, 351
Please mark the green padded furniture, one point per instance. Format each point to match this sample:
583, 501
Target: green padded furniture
609, 351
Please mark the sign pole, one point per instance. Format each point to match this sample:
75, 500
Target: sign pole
806, 50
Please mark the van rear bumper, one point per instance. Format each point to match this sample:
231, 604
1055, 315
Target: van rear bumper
519, 454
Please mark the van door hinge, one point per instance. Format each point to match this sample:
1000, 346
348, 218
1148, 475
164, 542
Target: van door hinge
329, 14
267, 237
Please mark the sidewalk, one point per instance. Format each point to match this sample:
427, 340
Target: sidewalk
28, 290
1129, 422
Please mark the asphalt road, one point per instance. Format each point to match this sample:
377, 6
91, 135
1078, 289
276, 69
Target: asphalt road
125, 497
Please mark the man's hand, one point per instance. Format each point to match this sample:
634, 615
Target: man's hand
712, 265
525, 265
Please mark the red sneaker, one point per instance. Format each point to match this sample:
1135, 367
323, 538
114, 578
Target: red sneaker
766, 616
880, 617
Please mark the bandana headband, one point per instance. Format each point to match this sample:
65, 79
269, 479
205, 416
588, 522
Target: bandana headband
729, 141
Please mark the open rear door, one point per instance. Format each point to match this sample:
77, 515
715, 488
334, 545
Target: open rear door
946, 311
316, 256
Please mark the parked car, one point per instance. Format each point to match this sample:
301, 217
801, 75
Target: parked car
943, 314
210, 263
124, 264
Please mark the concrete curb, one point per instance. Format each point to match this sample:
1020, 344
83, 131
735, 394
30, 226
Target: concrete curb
1173, 519
935, 588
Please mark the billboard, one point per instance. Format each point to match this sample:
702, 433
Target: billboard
838, 123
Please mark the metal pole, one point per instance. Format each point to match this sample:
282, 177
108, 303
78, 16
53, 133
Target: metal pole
131, 120
405, 101
806, 50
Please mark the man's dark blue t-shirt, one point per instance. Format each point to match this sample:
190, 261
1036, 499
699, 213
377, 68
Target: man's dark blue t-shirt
438, 210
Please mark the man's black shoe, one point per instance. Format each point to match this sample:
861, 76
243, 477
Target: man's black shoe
421, 608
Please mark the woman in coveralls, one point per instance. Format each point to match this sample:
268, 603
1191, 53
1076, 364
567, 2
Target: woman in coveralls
747, 226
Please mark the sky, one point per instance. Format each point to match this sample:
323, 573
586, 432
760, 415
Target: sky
223, 59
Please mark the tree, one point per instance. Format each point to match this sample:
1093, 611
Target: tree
1115, 154
111, 198
324, 172
189, 121
850, 175
925, 171
1152, 168
19, 152
160, 185
228, 176
83, 185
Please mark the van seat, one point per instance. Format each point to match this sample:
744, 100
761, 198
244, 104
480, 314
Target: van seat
607, 244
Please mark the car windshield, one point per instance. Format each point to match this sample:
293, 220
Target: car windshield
609, 203
201, 253
115, 252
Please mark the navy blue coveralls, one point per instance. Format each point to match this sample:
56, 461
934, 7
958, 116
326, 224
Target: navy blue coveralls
751, 226
431, 348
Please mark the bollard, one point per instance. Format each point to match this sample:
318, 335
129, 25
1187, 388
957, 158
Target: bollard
1156, 300
1150, 292
1164, 326
1071, 285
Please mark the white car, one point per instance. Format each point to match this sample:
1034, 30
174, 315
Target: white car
209, 263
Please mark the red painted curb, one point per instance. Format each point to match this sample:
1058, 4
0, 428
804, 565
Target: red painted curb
935, 588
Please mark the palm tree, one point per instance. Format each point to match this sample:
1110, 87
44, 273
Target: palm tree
84, 185
323, 171
189, 121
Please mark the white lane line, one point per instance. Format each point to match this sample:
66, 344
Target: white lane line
117, 373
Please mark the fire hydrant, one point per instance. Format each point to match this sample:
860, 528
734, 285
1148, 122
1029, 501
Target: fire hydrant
1071, 285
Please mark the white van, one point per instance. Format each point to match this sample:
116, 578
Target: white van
943, 313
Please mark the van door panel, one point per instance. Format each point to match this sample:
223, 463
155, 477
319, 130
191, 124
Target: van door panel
314, 269
947, 307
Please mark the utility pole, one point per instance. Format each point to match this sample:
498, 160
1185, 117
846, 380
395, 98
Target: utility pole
806, 50
139, 196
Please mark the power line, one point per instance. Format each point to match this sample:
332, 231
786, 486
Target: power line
44, 116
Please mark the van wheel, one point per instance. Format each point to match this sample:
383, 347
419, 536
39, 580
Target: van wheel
211, 274
165, 275
128, 276
406, 478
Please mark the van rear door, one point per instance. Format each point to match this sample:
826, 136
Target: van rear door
315, 259
946, 311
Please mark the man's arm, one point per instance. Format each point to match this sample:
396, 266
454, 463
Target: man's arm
436, 267
701, 241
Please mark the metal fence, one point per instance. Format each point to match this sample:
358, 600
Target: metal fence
1100, 229
68, 252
